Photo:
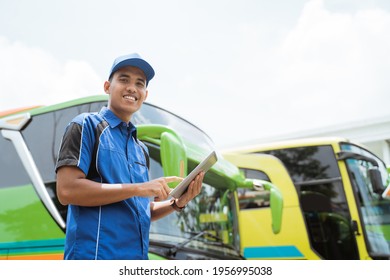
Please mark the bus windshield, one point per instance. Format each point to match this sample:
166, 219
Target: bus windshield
374, 210
206, 224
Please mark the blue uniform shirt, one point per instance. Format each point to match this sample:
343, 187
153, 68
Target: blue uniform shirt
107, 151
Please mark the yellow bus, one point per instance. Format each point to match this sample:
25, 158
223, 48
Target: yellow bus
333, 207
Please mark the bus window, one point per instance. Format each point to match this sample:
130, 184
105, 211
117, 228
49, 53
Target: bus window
316, 176
12, 172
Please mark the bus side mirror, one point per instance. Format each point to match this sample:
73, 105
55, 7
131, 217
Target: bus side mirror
173, 152
173, 156
376, 180
276, 204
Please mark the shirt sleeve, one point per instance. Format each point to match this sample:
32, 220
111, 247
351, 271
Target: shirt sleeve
76, 147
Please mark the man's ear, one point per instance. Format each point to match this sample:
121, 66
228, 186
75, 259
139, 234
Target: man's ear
107, 87
146, 94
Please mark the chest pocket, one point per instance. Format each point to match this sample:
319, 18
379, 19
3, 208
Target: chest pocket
140, 164
146, 155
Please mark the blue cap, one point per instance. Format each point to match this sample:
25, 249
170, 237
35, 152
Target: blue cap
135, 60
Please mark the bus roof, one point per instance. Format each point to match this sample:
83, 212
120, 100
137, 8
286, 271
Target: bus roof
293, 143
17, 110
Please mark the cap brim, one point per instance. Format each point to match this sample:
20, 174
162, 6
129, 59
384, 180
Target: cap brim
136, 62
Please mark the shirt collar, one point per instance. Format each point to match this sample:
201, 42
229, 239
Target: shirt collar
112, 119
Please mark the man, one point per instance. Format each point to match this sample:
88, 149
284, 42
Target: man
102, 174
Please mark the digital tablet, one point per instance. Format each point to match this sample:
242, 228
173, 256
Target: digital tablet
205, 165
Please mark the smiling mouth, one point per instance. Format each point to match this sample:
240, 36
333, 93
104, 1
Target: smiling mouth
130, 98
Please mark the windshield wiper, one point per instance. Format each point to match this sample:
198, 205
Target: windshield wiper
218, 241
172, 251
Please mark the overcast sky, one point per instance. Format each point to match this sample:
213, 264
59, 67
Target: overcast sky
239, 70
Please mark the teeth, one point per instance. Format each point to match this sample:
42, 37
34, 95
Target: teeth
129, 97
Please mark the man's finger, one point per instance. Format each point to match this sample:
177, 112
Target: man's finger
171, 179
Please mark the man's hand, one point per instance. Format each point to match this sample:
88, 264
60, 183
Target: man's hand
158, 188
161, 209
193, 190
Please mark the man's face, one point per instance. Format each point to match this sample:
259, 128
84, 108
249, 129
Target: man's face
127, 90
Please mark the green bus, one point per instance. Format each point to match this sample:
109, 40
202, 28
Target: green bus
33, 222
